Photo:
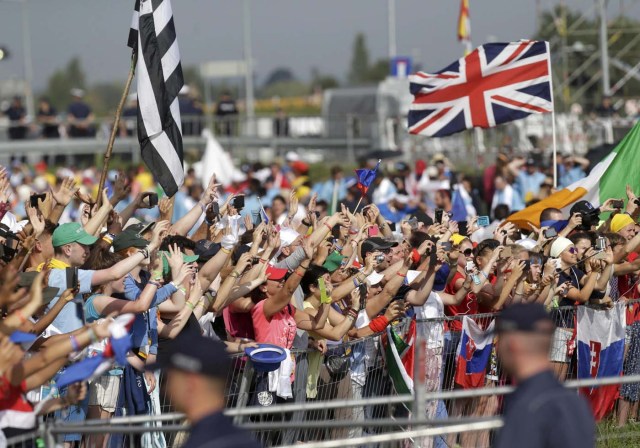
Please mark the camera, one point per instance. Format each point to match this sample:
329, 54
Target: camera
550, 233
380, 258
601, 244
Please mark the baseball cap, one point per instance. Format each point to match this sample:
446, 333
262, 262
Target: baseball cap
140, 228
165, 260
206, 250
333, 261
71, 232
376, 243
559, 246
195, 354
128, 238
48, 292
531, 161
526, 317
276, 273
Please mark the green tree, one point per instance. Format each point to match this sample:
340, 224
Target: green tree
284, 89
359, 61
378, 71
63, 80
322, 81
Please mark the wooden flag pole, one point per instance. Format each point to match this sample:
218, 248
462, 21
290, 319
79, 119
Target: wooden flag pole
116, 125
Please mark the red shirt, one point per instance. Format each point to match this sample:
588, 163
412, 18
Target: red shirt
15, 410
469, 304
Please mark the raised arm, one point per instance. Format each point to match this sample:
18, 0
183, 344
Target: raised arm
186, 223
381, 300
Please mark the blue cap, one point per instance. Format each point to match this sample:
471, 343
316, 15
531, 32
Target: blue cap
266, 357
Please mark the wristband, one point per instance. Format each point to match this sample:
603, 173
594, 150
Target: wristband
154, 283
107, 239
234, 274
328, 226
306, 223
190, 305
352, 313
225, 251
262, 261
157, 275
378, 324
355, 282
74, 343
298, 274
144, 252
401, 275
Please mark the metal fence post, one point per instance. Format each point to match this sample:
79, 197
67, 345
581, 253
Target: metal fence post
419, 374
245, 386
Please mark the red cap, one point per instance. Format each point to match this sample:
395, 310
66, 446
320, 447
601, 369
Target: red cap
421, 165
276, 273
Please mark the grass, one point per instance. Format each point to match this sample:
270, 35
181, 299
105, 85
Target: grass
610, 436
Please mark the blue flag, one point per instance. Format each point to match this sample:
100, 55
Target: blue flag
458, 207
366, 178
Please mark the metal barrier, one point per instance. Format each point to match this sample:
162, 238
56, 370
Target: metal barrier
360, 402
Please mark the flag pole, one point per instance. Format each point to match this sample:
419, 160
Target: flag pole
553, 120
116, 125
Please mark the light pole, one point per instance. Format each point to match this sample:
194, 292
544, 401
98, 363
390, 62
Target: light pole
391, 18
604, 49
248, 58
27, 59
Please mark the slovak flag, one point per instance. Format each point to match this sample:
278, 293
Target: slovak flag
474, 352
601, 353
366, 178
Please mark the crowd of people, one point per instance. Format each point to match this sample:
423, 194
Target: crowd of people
275, 258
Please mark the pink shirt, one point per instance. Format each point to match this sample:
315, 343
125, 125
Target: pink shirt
280, 330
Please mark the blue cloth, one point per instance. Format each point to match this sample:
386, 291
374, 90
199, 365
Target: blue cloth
366, 177
79, 109
145, 325
441, 278
71, 317
458, 207
529, 184
179, 206
570, 176
133, 392
397, 215
74, 414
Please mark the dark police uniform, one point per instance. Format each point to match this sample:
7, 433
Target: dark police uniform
217, 431
542, 413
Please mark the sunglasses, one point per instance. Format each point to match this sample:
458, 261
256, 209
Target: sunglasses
468, 252
572, 250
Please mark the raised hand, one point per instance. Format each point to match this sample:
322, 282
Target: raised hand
164, 205
293, 205
312, 203
122, 188
248, 223
159, 232
35, 218
243, 263
5, 189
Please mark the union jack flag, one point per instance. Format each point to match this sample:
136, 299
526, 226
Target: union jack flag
494, 84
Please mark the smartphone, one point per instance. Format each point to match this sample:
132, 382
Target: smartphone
214, 210
446, 245
153, 198
392, 226
363, 291
433, 258
35, 198
238, 203
558, 264
527, 266
601, 244
462, 228
483, 221
550, 233
373, 231
438, 216
72, 278
257, 217
413, 223
618, 203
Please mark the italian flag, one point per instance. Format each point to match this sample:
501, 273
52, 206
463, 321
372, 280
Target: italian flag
399, 354
608, 179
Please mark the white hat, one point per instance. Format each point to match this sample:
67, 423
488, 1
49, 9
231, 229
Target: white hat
374, 278
527, 243
559, 246
287, 237
9, 220
79, 93
292, 157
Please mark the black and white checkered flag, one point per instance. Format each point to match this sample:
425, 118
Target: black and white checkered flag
160, 79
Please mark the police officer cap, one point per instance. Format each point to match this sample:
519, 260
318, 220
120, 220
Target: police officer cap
196, 354
530, 318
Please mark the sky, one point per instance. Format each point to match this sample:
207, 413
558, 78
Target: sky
299, 34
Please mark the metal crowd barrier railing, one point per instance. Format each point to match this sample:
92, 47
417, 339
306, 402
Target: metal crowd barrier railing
352, 406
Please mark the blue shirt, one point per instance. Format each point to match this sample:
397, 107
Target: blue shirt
79, 110
325, 190
570, 176
529, 184
145, 325
71, 317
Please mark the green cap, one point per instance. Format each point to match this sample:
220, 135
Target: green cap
48, 292
128, 238
71, 232
165, 260
333, 261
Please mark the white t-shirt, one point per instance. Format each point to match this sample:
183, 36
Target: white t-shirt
433, 331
